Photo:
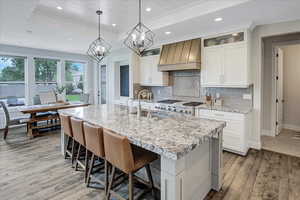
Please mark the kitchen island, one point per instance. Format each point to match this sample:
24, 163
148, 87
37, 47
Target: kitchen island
190, 148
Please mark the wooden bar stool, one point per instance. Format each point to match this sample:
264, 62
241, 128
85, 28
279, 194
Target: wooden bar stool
129, 159
66, 126
95, 145
79, 136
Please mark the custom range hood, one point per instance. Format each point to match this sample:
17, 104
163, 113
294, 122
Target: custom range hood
185, 55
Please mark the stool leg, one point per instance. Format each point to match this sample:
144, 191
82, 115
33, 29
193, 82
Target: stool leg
77, 157
86, 165
130, 187
73, 151
111, 182
150, 178
68, 144
91, 165
106, 177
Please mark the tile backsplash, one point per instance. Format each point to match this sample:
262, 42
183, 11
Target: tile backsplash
186, 86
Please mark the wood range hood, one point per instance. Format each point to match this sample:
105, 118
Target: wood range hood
185, 55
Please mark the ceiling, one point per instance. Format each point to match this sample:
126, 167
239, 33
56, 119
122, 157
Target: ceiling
39, 24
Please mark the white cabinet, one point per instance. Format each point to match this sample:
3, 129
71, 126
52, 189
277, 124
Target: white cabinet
226, 65
236, 132
149, 74
213, 64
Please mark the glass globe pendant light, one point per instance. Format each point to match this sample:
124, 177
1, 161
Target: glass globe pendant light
140, 38
99, 48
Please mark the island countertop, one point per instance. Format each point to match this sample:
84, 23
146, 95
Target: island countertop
173, 136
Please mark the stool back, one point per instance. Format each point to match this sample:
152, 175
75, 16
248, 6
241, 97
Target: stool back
66, 124
77, 129
94, 139
118, 151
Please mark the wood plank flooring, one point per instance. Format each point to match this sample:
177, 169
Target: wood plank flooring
35, 170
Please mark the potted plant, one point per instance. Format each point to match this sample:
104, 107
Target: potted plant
59, 92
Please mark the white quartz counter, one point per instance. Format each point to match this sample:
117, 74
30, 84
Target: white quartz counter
173, 136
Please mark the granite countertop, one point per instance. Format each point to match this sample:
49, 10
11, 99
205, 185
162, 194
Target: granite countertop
173, 136
233, 109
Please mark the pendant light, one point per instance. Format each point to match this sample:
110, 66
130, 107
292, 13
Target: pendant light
99, 48
140, 38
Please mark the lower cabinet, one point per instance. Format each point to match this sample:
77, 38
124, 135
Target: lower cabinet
237, 130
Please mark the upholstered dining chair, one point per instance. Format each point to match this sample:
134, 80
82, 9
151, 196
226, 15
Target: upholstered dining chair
10, 122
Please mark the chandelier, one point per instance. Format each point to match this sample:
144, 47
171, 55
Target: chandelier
140, 38
99, 48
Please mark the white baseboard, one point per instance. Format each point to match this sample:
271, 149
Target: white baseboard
267, 132
291, 127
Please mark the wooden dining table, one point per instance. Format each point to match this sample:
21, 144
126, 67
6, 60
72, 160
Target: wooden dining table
35, 110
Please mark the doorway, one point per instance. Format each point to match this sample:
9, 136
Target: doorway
284, 115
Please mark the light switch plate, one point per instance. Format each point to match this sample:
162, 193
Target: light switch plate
247, 96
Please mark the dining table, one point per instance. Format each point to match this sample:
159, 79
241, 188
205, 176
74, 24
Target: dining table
45, 112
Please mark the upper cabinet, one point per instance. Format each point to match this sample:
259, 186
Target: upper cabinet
181, 56
149, 74
226, 61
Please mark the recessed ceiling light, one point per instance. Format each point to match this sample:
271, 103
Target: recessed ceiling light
167, 32
59, 8
114, 25
148, 9
235, 34
218, 19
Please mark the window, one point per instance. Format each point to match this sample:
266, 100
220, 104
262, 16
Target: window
124, 80
74, 80
45, 74
12, 85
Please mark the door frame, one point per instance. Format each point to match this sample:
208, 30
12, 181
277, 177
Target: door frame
278, 67
274, 88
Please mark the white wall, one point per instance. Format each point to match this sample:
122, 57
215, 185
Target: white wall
256, 62
291, 92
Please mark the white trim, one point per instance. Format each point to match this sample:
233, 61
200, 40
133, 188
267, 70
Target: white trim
291, 127
267, 132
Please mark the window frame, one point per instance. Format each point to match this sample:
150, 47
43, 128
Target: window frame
14, 82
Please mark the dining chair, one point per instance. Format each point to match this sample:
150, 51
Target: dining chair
47, 97
129, 159
11, 122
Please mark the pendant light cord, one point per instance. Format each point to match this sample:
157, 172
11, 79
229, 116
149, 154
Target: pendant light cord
99, 23
140, 11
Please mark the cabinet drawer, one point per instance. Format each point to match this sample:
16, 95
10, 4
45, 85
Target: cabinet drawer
221, 115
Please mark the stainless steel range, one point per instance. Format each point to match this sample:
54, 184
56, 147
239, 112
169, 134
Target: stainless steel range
177, 106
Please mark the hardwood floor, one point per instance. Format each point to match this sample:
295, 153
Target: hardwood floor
35, 170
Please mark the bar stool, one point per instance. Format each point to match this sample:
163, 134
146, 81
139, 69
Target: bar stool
129, 159
66, 126
95, 145
79, 136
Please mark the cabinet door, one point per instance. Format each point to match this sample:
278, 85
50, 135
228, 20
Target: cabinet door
212, 69
235, 65
145, 70
157, 76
